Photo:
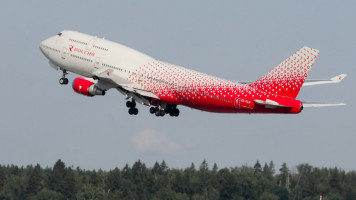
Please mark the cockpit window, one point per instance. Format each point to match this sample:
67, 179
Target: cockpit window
59, 34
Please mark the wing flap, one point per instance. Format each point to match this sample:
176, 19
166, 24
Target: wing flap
132, 88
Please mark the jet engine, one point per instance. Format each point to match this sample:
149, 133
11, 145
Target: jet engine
86, 87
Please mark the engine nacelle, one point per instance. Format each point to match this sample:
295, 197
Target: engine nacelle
86, 87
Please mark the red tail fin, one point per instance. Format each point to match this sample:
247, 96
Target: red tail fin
287, 78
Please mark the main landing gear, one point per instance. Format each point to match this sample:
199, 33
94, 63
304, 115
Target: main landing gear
132, 107
64, 80
170, 109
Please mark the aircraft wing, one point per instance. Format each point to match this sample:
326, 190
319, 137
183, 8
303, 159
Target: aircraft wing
335, 79
109, 79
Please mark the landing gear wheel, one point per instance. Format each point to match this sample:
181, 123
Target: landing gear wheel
167, 110
131, 104
162, 113
159, 113
131, 111
152, 110
135, 111
174, 113
63, 81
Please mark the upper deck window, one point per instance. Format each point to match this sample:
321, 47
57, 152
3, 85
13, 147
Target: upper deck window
59, 34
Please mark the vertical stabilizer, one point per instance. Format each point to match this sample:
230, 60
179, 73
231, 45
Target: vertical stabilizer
287, 78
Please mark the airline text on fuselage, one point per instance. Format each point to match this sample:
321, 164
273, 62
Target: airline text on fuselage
85, 52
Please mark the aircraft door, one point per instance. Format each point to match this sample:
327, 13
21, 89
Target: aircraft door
97, 63
64, 53
90, 44
237, 103
242, 103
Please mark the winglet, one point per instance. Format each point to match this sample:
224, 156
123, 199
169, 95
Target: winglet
339, 78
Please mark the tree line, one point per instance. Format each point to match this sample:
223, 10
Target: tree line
138, 181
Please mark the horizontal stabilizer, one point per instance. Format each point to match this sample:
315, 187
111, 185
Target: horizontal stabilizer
315, 104
270, 104
336, 79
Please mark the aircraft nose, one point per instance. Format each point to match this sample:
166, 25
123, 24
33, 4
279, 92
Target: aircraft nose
44, 45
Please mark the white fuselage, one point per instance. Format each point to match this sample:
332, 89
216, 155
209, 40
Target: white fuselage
84, 54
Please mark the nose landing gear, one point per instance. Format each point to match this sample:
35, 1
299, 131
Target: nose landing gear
64, 80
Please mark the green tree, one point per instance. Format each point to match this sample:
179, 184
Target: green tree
335, 180
94, 178
156, 171
91, 192
257, 168
214, 179
139, 175
2, 177
284, 178
56, 179
268, 196
35, 182
228, 184
46, 194
14, 187
70, 187
178, 183
113, 180
164, 166
203, 174
268, 170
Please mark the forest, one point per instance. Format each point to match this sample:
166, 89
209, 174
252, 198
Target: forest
258, 182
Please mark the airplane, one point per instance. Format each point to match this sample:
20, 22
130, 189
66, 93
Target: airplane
163, 86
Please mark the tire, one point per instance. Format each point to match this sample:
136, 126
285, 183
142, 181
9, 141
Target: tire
176, 112
131, 111
135, 111
128, 104
61, 81
65, 81
157, 113
152, 110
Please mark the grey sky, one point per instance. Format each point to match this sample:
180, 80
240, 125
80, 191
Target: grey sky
42, 121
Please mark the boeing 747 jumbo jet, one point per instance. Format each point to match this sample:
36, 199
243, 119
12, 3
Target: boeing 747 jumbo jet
163, 86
